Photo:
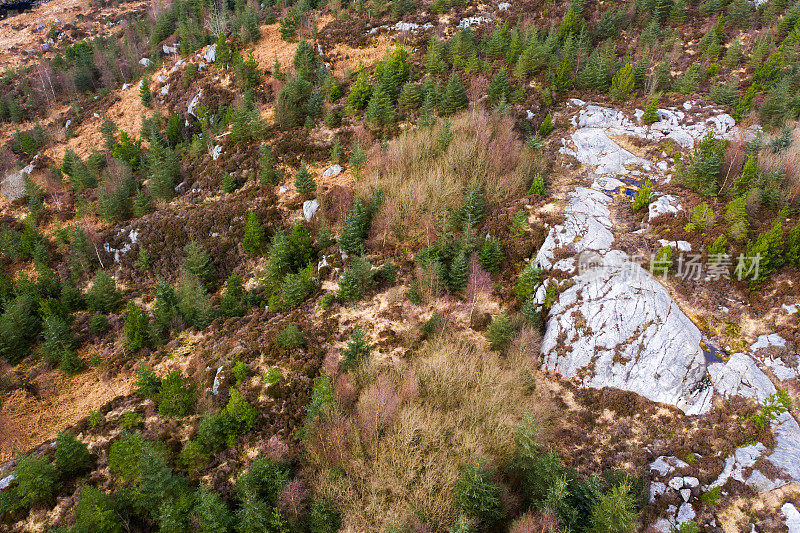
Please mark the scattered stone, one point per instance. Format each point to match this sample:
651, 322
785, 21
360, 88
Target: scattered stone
503, 6
666, 203
169, 49
6, 481
681, 246
310, 208
165, 90
792, 517
666, 464
686, 494
691, 482
685, 513
145, 62
765, 341
657, 488
126, 86
216, 152
210, 55
332, 170
472, 21
790, 309
676, 483
283, 189
194, 103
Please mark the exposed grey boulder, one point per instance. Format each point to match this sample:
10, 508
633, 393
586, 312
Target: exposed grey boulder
6, 481
332, 170
667, 464
766, 341
169, 49
616, 326
216, 152
194, 103
210, 55
145, 62
310, 208
792, 516
666, 203
685, 513
586, 227
740, 376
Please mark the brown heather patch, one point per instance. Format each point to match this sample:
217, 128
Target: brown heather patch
468, 402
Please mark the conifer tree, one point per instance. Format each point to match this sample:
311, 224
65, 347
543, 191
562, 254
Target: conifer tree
223, 51
357, 351
267, 171
164, 169
561, 77
410, 96
197, 262
651, 111
136, 327
58, 337
546, 126
434, 57
304, 181
355, 229
454, 97
194, 304
141, 204
623, 83
360, 91
491, 255
253, 239
108, 129
357, 278
747, 177
792, 251
103, 297
232, 303
144, 92
380, 111
499, 87
457, 277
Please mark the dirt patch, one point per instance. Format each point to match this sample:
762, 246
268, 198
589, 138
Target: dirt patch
28, 419
21, 38
126, 112
344, 56
270, 46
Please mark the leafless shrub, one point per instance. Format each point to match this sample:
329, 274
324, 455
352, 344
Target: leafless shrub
786, 162
479, 283
276, 449
377, 407
451, 403
293, 499
544, 521
527, 344
421, 182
